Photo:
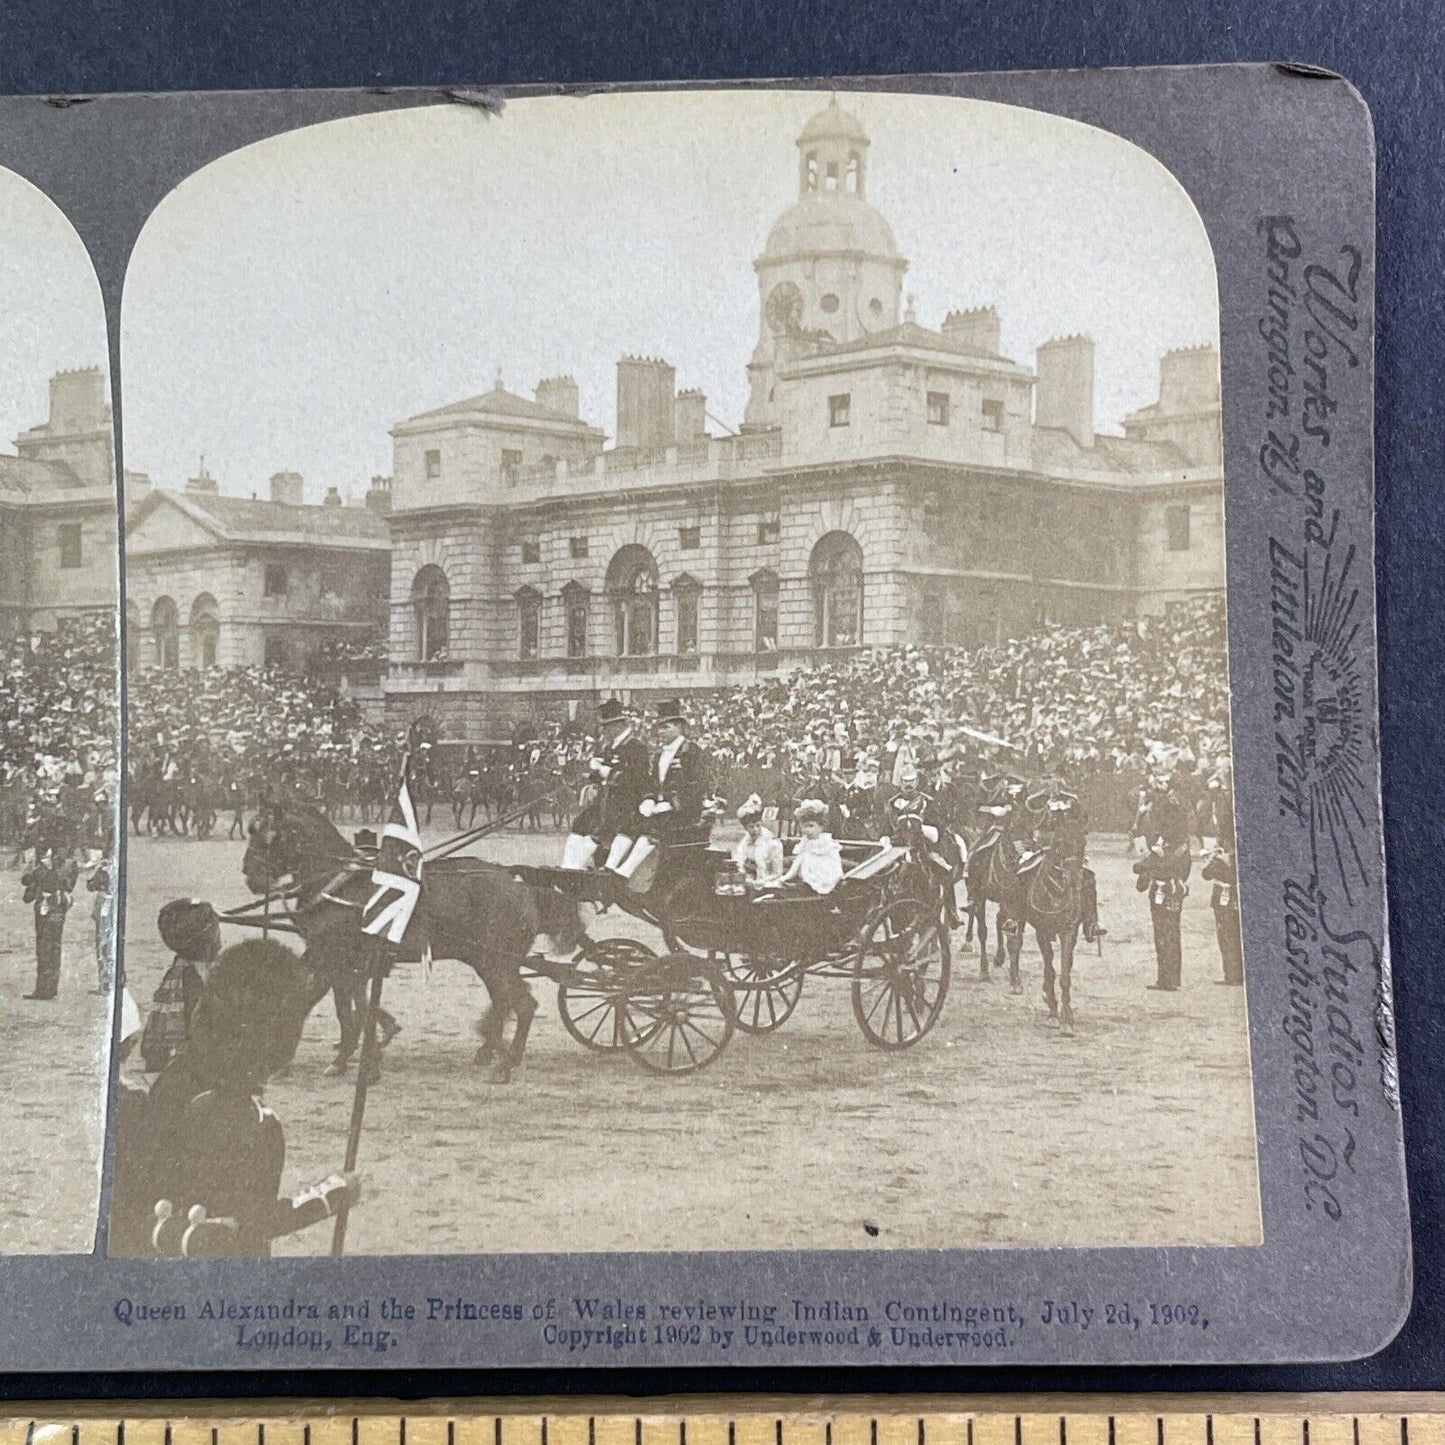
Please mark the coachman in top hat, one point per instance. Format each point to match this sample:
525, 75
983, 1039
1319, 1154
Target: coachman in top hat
671, 811
620, 777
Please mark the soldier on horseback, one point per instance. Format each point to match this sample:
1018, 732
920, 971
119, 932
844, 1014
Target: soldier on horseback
912, 808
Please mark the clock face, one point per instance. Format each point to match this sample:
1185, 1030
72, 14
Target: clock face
784, 309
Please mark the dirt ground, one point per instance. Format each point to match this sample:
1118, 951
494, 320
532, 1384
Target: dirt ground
992, 1132
53, 1062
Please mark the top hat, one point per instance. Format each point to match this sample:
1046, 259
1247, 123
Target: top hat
670, 710
610, 710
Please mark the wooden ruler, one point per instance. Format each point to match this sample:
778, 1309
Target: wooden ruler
752, 1420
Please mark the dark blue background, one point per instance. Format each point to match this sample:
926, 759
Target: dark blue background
1391, 49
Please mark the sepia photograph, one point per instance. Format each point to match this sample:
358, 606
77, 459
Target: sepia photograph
678, 692
59, 727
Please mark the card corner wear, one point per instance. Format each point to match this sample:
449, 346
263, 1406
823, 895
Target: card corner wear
861, 825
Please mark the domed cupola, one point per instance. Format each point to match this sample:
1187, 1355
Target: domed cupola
830, 269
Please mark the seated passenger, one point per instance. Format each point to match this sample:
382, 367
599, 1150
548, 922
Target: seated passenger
758, 855
817, 859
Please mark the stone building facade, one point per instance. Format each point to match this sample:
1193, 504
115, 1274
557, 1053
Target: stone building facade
58, 550
215, 580
889, 483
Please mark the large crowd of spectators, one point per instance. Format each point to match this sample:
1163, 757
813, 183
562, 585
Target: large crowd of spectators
1101, 707
58, 734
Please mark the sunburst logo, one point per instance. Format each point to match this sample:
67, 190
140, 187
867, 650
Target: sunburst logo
1335, 721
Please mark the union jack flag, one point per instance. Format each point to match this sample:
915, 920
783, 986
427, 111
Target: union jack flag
397, 874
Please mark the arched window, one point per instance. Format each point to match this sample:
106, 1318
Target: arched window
765, 610
576, 605
132, 638
632, 586
166, 633
836, 574
688, 592
529, 622
431, 600
205, 631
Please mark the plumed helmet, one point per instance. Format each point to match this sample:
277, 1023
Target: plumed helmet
189, 928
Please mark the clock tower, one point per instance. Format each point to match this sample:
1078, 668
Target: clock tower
830, 271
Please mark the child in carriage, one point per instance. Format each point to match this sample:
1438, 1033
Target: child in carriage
817, 865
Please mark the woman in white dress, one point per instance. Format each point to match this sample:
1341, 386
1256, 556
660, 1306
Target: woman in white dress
817, 859
758, 855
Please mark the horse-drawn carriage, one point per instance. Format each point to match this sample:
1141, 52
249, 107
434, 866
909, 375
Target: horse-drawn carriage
735, 957
723, 957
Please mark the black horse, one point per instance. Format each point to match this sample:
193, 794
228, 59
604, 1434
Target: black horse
993, 877
1052, 908
469, 910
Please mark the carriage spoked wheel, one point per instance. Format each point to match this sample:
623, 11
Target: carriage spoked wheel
678, 1014
591, 1004
765, 990
901, 972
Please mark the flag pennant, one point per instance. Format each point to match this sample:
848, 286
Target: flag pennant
397, 874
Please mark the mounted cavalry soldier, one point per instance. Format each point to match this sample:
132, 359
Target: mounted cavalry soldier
1166, 827
911, 807
671, 812
620, 776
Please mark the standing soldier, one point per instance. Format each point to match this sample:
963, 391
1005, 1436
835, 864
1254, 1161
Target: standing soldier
1162, 871
49, 885
102, 913
1219, 870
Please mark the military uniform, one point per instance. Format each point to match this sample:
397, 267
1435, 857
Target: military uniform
49, 886
1225, 901
1162, 874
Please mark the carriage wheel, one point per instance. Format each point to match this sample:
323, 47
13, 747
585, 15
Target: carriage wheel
590, 1006
765, 990
678, 1015
901, 973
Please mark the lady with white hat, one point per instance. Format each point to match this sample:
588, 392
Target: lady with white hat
817, 858
758, 855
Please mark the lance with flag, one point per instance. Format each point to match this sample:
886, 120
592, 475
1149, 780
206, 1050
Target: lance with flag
396, 879
397, 874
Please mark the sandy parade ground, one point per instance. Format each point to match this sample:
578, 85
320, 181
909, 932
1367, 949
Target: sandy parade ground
993, 1131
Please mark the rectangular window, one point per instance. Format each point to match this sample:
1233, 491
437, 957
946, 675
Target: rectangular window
687, 624
433, 465
765, 635
1176, 524
531, 553
689, 538
277, 583
938, 408
70, 544
511, 463
577, 547
577, 628
531, 628
769, 529
992, 416
839, 407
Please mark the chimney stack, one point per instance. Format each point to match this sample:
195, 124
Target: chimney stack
286, 488
203, 481
77, 401
378, 496
1064, 393
1189, 378
689, 415
976, 329
559, 393
645, 390
332, 498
